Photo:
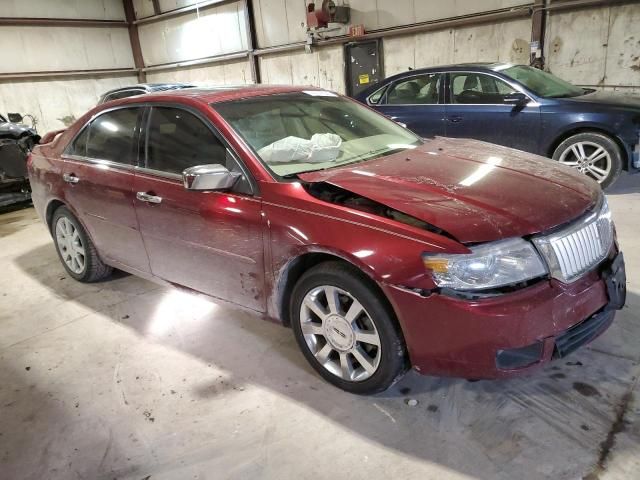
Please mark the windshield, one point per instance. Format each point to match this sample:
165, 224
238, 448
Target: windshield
306, 131
542, 83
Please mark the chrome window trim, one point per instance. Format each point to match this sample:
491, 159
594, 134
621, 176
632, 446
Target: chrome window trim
99, 162
532, 102
159, 173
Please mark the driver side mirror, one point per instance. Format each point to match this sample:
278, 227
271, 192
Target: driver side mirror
15, 117
209, 177
516, 98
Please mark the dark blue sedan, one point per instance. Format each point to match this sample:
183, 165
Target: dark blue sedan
520, 107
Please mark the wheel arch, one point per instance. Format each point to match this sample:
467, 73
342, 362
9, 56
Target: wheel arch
291, 272
588, 128
52, 206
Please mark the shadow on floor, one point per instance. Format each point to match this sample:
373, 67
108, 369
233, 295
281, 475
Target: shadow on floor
486, 429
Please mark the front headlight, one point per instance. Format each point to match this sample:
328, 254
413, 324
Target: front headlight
489, 265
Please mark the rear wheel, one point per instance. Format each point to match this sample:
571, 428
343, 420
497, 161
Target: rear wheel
594, 154
345, 331
76, 251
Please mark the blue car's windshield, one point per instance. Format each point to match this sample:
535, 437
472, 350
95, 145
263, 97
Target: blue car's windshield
541, 83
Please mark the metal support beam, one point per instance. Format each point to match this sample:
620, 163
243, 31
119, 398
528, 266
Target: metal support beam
66, 73
464, 21
199, 61
538, 30
572, 5
250, 25
58, 22
138, 60
156, 7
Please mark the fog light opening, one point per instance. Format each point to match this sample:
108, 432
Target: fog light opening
514, 358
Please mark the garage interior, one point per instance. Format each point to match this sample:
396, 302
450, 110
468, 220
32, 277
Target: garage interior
126, 379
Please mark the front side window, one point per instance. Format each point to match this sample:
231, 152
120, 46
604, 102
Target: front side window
541, 83
110, 137
177, 140
478, 88
306, 131
419, 90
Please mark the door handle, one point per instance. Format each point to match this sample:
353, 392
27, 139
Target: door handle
454, 119
146, 197
70, 178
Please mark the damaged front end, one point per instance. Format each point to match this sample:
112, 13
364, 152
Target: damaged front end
330, 193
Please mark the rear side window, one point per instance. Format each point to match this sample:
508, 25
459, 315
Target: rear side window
110, 137
418, 90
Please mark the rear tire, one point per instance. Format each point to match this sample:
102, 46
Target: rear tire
594, 154
352, 341
75, 249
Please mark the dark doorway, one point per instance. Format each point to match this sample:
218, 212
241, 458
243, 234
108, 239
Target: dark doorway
364, 65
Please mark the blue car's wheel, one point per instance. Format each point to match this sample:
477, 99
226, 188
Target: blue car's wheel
594, 154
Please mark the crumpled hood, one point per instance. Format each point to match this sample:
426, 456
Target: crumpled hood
475, 191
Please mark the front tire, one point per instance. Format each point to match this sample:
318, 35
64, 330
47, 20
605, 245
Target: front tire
345, 331
75, 249
594, 154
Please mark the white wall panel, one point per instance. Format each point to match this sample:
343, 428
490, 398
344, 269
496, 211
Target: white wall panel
88, 9
234, 72
64, 48
54, 102
597, 46
166, 5
279, 22
212, 31
623, 45
143, 8
576, 45
323, 68
500, 42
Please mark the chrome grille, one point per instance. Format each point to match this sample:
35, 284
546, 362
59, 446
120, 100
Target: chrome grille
579, 247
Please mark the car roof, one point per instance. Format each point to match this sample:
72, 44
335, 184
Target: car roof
216, 94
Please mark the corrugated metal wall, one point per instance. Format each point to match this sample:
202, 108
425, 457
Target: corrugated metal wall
598, 47
55, 101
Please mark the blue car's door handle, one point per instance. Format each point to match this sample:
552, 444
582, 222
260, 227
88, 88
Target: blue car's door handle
454, 119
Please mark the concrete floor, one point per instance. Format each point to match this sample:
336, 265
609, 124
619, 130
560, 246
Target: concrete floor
128, 380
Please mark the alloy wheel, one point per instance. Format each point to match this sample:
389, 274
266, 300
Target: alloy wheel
340, 333
588, 158
70, 245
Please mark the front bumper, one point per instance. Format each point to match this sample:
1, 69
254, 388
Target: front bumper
449, 336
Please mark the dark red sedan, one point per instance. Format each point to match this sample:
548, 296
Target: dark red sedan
380, 249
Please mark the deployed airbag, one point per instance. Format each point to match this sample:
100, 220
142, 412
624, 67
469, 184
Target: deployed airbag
323, 147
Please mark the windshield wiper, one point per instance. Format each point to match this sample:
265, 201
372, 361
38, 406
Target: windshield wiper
351, 161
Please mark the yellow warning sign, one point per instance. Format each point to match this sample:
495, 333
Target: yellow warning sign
364, 78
